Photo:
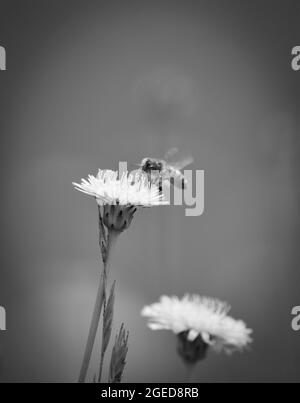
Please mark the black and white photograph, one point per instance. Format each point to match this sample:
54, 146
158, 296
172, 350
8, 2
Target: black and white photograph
150, 202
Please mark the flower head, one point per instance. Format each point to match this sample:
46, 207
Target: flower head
119, 197
199, 323
128, 190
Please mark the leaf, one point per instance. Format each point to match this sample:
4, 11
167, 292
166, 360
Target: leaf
108, 318
118, 356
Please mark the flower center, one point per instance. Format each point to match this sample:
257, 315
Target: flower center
191, 351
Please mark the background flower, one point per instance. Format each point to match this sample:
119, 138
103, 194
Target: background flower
200, 322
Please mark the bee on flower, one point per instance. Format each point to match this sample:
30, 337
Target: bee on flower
200, 324
120, 196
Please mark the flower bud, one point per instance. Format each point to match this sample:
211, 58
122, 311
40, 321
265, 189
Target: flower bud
118, 217
191, 351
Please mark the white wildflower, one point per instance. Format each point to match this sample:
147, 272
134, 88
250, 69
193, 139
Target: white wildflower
108, 188
200, 323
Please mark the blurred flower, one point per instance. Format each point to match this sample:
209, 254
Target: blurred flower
200, 323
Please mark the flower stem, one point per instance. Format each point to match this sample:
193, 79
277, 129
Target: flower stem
93, 329
101, 295
111, 242
190, 368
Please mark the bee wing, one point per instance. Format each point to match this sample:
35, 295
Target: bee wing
171, 153
178, 159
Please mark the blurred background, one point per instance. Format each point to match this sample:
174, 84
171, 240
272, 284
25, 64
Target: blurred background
90, 83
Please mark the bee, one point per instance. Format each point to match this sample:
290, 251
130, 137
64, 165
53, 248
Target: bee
168, 169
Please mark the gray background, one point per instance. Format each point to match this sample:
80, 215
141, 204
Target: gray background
90, 83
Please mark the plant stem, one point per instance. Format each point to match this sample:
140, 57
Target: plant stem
111, 242
190, 372
93, 329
